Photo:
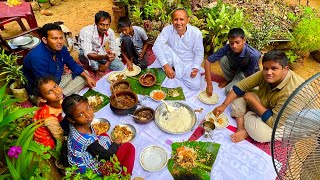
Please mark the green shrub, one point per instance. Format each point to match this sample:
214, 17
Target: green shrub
220, 20
307, 35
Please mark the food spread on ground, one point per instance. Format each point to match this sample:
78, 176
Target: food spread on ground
120, 86
173, 93
186, 157
203, 97
178, 121
157, 95
122, 131
193, 157
95, 101
136, 70
123, 101
100, 127
116, 76
144, 114
147, 80
220, 122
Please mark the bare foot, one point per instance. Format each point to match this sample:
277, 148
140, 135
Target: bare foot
223, 84
238, 136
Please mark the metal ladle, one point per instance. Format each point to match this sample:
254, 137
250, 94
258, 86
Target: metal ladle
169, 107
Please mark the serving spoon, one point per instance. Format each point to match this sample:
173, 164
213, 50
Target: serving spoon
141, 118
169, 107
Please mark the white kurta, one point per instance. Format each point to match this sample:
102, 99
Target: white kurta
183, 53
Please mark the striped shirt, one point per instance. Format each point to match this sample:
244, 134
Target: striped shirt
77, 149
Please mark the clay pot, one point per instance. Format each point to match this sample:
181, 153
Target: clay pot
150, 76
19, 93
119, 110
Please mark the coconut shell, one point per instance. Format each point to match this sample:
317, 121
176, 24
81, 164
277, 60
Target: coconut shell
35, 6
55, 2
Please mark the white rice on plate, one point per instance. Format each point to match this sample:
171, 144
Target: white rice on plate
178, 121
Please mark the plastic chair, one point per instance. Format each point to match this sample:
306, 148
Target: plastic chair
15, 13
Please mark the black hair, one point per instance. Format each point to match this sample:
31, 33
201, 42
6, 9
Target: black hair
39, 82
70, 102
49, 27
277, 56
179, 9
101, 14
236, 32
124, 22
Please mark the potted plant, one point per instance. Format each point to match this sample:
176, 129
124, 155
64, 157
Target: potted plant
11, 72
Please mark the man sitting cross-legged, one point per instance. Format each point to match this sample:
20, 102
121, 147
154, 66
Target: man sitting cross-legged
255, 112
49, 59
98, 45
179, 50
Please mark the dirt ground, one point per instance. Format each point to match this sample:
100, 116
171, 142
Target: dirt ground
78, 13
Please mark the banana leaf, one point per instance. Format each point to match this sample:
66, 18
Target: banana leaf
106, 99
205, 151
137, 88
170, 97
159, 73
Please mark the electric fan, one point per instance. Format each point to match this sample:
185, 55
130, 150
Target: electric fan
296, 134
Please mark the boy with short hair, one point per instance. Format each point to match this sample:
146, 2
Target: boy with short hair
237, 60
50, 95
256, 112
134, 42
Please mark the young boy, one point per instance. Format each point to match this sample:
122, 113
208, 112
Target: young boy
51, 96
237, 60
134, 42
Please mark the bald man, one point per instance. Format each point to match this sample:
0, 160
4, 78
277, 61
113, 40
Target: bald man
179, 50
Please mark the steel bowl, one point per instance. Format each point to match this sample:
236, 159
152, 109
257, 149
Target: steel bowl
21, 40
162, 111
119, 110
98, 120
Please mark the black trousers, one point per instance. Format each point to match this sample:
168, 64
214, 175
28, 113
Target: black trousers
128, 47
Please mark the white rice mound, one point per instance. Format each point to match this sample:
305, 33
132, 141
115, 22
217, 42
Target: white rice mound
178, 121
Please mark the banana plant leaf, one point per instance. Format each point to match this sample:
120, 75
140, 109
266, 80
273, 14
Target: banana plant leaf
206, 156
137, 88
106, 99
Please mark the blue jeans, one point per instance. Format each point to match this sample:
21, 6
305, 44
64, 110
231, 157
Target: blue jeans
116, 64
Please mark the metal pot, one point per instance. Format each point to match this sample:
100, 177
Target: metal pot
120, 110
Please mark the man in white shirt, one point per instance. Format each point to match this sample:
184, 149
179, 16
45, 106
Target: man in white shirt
97, 45
179, 50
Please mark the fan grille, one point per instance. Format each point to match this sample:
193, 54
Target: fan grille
295, 138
